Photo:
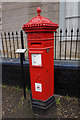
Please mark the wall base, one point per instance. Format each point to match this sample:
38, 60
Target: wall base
66, 75
43, 105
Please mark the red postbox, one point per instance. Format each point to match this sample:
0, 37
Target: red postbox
40, 37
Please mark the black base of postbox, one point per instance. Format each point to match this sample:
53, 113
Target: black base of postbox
42, 105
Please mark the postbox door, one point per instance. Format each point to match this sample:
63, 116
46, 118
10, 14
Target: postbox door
39, 75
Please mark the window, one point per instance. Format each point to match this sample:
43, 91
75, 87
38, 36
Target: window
69, 16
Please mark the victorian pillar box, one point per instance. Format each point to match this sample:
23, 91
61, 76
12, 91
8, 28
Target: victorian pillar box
40, 38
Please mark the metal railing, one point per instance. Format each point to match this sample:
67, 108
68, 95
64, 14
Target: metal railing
10, 42
66, 46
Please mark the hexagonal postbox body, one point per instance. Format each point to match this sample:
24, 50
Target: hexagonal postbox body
40, 37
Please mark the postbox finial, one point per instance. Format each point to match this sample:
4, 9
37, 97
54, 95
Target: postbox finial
38, 11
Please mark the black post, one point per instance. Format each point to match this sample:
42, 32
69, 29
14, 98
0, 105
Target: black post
71, 43
22, 43
65, 43
17, 41
55, 44
60, 42
22, 70
76, 44
10, 44
6, 44
13, 44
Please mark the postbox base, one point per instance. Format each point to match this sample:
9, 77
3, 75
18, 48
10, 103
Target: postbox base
43, 104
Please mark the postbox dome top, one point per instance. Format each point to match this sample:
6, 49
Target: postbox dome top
39, 23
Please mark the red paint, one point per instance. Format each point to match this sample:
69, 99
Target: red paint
40, 39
